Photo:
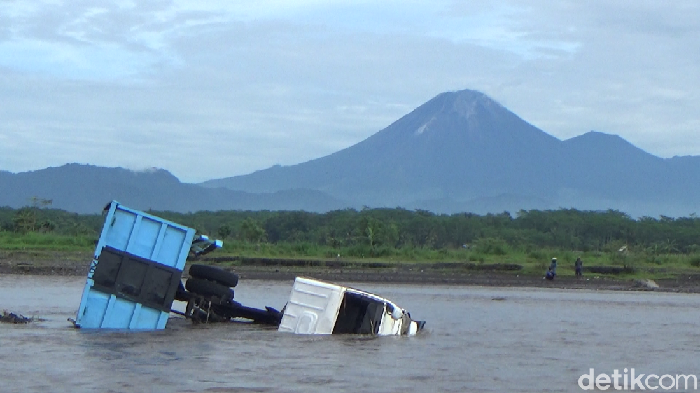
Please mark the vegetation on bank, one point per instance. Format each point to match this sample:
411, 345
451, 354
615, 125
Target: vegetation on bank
656, 246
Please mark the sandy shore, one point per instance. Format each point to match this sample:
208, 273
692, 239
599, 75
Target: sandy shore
436, 274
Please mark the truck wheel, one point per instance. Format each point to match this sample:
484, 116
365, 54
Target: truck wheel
215, 274
208, 288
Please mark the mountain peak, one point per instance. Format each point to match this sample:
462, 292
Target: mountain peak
594, 135
469, 120
466, 103
600, 141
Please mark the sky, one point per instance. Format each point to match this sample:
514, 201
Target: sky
213, 89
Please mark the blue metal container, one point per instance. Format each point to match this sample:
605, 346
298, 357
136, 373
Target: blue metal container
136, 271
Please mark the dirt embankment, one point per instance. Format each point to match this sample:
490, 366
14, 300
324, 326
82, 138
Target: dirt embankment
460, 273
45, 262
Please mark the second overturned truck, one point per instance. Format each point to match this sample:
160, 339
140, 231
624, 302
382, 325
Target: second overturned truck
317, 307
314, 307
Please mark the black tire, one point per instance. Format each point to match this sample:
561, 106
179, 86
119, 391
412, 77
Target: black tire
208, 288
215, 274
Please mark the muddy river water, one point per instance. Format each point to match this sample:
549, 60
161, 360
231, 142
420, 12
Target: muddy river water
476, 340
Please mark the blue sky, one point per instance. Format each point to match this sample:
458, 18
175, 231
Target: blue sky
216, 89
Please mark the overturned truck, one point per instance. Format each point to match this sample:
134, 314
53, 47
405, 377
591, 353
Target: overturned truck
136, 275
317, 307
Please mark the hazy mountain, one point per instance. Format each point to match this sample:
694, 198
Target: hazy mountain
452, 147
87, 189
462, 151
459, 152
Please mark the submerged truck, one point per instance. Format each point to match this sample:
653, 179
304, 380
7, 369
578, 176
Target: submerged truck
135, 272
317, 307
136, 275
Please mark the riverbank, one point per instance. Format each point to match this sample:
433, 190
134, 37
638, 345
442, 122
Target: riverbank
488, 279
458, 273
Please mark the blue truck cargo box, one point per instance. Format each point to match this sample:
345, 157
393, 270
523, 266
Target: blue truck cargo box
135, 272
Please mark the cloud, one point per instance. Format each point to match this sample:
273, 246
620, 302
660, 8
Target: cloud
217, 89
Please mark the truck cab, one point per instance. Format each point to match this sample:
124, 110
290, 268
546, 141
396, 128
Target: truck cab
318, 307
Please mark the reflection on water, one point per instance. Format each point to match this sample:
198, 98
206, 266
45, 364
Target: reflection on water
476, 339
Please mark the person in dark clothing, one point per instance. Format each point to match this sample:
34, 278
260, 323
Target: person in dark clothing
578, 265
549, 275
552, 270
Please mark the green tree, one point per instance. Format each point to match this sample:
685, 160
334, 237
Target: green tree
224, 231
251, 231
25, 220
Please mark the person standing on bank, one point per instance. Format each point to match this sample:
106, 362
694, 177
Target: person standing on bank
552, 271
578, 265
553, 266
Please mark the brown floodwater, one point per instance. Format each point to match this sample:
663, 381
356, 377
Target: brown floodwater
476, 339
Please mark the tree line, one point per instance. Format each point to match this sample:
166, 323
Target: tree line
377, 231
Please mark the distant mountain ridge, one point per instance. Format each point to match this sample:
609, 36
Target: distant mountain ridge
462, 151
459, 152
87, 189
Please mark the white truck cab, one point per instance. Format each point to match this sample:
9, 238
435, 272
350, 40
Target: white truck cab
318, 307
